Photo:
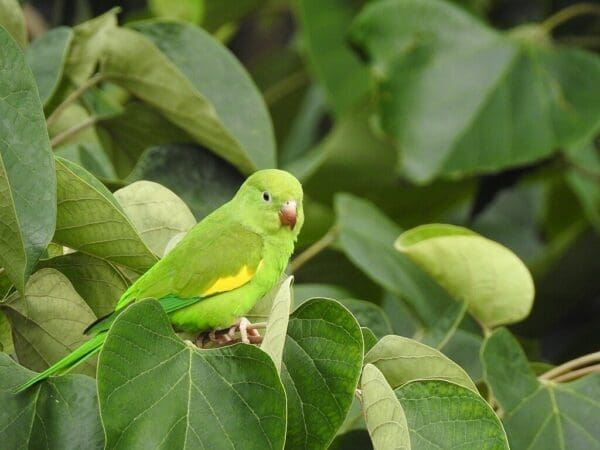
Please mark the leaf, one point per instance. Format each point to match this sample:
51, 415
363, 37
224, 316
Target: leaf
11, 18
275, 333
324, 26
201, 179
46, 57
492, 280
157, 80
384, 415
186, 10
305, 291
322, 359
222, 79
97, 281
90, 41
442, 332
156, 212
27, 180
48, 321
441, 414
6, 341
514, 96
129, 133
182, 397
403, 360
539, 414
367, 237
91, 220
369, 315
58, 413
369, 339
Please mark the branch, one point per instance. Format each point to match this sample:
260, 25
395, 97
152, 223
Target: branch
314, 249
568, 13
61, 137
72, 97
570, 366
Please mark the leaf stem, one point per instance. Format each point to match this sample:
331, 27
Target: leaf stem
577, 373
569, 366
61, 137
568, 13
284, 87
313, 250
72, 97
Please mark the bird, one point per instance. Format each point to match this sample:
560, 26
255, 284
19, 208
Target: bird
214, 276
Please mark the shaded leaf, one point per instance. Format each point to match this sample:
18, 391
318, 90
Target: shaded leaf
322, 359
514, 97
11, 18
369, 315
324, 26
47, 56
369, 339
182, 397
275, 334
48, 321
6, 341
539, 414
186, 10
367, 236
384, 415
27, 180
201, 179
156, 212
402, 360
305, 291
493, 281
97, 281
441, 414
91, 220
59, 413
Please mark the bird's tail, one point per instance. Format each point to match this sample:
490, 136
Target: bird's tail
73, 359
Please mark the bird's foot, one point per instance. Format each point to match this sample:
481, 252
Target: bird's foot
249, 334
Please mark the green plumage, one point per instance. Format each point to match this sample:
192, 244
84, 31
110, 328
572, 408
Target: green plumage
220, 269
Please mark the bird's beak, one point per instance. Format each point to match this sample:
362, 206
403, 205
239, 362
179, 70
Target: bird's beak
287, 214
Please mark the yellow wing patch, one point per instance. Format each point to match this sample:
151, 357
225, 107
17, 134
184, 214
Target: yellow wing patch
232, 282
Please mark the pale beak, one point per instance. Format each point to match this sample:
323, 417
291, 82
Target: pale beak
287, 214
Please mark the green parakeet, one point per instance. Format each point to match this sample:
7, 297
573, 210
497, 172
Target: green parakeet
220, 269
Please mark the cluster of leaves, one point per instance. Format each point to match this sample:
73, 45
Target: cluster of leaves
115, 140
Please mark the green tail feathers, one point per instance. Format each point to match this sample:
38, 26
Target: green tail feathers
70, 361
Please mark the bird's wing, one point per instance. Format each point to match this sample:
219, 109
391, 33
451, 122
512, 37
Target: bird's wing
209, 260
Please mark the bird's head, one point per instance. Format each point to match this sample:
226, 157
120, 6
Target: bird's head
271, 203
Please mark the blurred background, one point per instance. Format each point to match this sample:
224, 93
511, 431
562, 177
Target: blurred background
349, 117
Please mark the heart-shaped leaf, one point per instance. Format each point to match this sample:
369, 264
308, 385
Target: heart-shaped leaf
540, 414
322, 359
27, 179
460, 97
59, 413
441, 414
402, 360
48, 321
182, 397
91, 220
156, 212
383, 413
11, 18
494, 283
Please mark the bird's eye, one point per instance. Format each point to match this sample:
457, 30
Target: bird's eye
266, 196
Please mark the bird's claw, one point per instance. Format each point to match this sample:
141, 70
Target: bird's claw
249, 335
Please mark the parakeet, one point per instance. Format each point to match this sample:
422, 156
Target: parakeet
220, 269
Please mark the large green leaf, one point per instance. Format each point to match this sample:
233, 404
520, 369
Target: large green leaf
441, 414
200, 178
27, 180
275, 333
156, 212
324, 30
540, 414
6, 341
59, 413
402, 360
47, 56
459, 97
48, 320
156, 391
383, 413
96, 280
220, 77
322, 359
493, 281
91, 220
205, 111
367, 236
12, 20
